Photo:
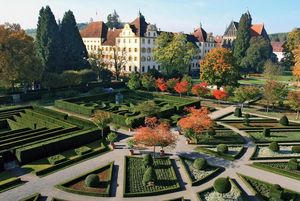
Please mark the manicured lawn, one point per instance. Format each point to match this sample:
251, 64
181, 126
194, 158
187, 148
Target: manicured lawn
263, 152
77, 184
134, 170
234, 151
278, 168
262, 189
221, 137
197, 177
261, 124
279, 136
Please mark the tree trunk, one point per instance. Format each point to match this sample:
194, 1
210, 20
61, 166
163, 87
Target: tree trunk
102, 133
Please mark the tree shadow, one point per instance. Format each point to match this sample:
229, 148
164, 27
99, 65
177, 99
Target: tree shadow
114, 181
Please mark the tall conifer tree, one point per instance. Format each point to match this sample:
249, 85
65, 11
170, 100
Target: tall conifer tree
48, 41
74, 51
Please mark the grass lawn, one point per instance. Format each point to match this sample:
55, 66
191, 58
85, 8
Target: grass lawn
262, 80
263, 152
233, 153
279, 136
221, 137
261, 124
167, 181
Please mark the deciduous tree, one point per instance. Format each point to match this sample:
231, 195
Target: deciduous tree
272, 70
101, 119
148, 82
291, 43
245, 93
296, 69
200, 89
134, 81
161, 84
274, 92
218, 68
171, 83
293, 100
113, 20
181, 87
220, 94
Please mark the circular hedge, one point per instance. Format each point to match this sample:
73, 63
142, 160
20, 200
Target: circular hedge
149, 176
222, 148
200, 163
284, 121
273, 146
296, 148
92, 180
266, 132
292, 164
222, 185
147, 160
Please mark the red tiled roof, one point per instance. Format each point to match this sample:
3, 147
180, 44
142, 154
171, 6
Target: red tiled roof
277, 46
200, 34
94, 30
139, 26
111, 37
257, 29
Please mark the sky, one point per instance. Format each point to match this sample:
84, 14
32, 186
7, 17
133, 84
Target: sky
168, 15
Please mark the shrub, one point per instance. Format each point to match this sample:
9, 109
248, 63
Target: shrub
222, 148
292, 164
238, 112
147, 160
92, 181
82, 150
246, 121
284, 121
211, 132
200, 163
247, 116
112, 137
276, 192
149, 176
296, 148
222, 185
53, 160
266, 132
273, 146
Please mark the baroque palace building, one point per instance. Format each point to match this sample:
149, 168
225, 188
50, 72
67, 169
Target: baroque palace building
132, 45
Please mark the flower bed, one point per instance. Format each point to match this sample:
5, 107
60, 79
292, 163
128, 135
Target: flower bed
278, 168
211, 195
234, 151
167, 181
197, 177
263, 152
77, 184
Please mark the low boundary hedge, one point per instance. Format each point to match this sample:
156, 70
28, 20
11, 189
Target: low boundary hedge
225, 156
34, 197
218, 171
280, 171
253, 157
63, 186
10, 183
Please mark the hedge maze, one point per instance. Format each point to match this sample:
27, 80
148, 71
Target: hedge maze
125, 114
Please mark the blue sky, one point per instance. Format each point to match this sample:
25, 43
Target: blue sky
169, 15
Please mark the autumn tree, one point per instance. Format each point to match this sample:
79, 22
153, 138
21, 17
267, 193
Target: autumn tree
118, 61
272, 70
161, 84
245, 93
296, 69
101, 119
196, 121
293, 100
147, 108
18, 60
181, 87
153, 136
173, 52
274, 92
218, 68
148, 82
220, 94
134, 81
200, 89
291, 43
171, 83
189, 80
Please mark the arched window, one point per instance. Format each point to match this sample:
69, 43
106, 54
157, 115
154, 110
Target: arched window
143, 58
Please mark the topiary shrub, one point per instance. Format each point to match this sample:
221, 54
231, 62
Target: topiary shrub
200, 163
211, 132
284, 121
247, 116
276, 192
246, 121
266, 132
222, 185
149, 176
292, 164
238, 112
92, 181
273, 146
147, 160
222, 148
296, 149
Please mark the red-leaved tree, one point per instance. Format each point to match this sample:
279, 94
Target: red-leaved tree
196, 121
220, 94
161, 84
181, 87
158, 135
200, 89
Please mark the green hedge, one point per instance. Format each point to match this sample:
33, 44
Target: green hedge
36, 151
10, 183
34, 197
5, 99
63, 104
253, 157
82, 150
56, 159
53, 113
64, 186
68, 163
225, 156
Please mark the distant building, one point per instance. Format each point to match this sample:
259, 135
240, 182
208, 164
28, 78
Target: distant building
137, 40
278, 50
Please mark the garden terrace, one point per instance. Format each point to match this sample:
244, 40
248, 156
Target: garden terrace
31, 133
77, 184
261, 189
167, 181
197, 177
125, 114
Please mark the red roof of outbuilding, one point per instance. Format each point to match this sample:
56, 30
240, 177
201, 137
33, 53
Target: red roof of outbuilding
277, 46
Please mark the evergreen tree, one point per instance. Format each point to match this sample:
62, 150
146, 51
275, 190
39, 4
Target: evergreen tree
113, 20
241, 43
74, 51
48, 41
